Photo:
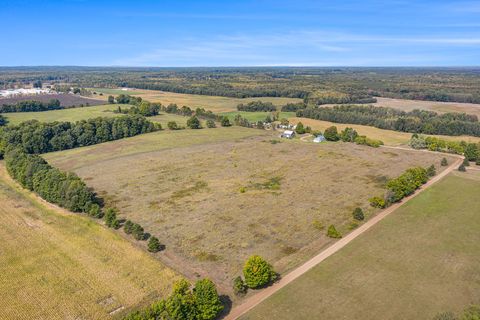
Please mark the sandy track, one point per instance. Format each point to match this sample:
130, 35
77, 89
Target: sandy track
256, 299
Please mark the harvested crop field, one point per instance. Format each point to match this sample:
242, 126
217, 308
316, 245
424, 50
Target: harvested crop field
419, 261
66, 100
217, 196
57, 265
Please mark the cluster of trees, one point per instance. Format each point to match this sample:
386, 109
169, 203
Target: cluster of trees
257, 273
36, 137
255, 106
144, 108
31, 106
334, 97
294, 107
125, 99
202, 303
64, 189
350, 135
471, 151
403, 186
416, 121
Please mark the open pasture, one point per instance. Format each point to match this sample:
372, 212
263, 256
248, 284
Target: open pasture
389, 137
57, 265
216, 196
419, 261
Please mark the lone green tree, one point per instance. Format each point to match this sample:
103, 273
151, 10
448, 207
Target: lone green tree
300, 129
331, 134
206, 299
444, 162
258, 272
431, 171
210, 123
358, 214
154, 245
225, 122
193, 123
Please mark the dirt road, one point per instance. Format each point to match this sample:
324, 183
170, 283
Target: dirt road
256, 299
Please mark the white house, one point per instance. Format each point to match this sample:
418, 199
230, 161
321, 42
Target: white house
289, 134
319, 138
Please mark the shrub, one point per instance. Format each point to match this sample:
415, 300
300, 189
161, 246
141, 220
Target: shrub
445, 316
239, 287
111, 99
444, 162
137, 232
172, 125
333, 233
331, 134
207, 302
111, 218
128, 227
348, 135
225, 122
95, 211
211, 123
431, 171
407, 183
300, 129
358, 214
462, 168
154, 245
377, 202
471, 313
258, 272
194, 123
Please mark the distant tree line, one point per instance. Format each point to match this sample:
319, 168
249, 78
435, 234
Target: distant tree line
200, 303
416, 121
294, 107
145, 109
35, 137
471, 151
31, 106
255, 106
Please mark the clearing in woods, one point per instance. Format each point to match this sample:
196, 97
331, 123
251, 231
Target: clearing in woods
56, 265
220, 195
427, 248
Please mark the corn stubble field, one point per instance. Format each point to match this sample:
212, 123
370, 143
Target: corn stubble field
57, 265
216, 196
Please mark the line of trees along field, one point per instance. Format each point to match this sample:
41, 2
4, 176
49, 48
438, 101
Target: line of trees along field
31, 106
416, 121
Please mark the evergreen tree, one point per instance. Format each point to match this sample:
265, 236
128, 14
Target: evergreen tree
154, 245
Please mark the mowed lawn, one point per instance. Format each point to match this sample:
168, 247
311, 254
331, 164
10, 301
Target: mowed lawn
421, 260
389, 137
57, 265
71, 114
217, 196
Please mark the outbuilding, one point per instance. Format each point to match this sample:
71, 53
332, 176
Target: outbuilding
319, 138
289, 134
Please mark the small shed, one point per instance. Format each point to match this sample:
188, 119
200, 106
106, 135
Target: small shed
289, 134
319, 138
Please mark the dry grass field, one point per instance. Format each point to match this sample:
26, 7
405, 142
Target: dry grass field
214, 103
440, 107
57, 265
389, 137
421, 260
216, 196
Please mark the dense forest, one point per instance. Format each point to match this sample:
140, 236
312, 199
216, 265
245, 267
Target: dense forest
314, 84
31, 106
416, 121
35, 137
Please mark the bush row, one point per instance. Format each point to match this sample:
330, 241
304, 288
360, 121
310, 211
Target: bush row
471, 151
202, 303
403, 186
35, 137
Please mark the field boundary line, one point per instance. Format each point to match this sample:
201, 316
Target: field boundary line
262, 295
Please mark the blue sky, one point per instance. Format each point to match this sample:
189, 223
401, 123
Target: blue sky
240, 33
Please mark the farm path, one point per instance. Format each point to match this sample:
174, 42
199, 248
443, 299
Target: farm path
262, 295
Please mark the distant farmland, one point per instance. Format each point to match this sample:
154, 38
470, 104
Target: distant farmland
66, 100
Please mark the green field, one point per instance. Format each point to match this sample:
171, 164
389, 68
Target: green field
59, 265
255, 116
219, 195
421, 260
72, 114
